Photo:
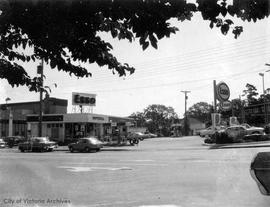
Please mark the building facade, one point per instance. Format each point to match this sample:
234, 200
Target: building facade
22, 119
13, 115
63, 127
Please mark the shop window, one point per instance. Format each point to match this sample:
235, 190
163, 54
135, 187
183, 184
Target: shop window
53, 125
49, 125
56, 125
60, 125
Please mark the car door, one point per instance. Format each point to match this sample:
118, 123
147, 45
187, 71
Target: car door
78, 145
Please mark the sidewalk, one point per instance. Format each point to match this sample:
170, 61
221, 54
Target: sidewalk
239, 145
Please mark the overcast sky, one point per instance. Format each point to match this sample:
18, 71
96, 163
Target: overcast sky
189, 60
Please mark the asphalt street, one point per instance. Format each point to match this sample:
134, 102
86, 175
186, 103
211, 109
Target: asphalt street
168, 172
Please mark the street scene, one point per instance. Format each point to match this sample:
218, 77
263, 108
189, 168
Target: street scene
175, 172
140, 103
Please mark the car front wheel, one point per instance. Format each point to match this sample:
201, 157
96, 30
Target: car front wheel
71, 149
86, 149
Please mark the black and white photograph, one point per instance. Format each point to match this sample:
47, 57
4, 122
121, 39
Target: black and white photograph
134, 103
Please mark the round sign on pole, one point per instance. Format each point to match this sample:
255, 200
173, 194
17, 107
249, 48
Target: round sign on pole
222, 92
226, 105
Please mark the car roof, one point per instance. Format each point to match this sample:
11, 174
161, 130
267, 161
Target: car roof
234, 126
88, 138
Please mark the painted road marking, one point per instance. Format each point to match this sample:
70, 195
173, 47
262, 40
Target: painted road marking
116, 163
137, 160
89, 169
159, 206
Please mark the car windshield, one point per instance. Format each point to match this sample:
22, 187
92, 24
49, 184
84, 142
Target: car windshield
246, 125
94, 140
41, 139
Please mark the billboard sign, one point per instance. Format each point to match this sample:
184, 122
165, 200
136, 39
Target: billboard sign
222, 92
83, 99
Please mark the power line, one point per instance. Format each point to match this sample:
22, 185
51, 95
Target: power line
187, 63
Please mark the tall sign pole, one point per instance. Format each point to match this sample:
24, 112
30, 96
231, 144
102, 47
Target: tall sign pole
215, 96
40, 71
185, 120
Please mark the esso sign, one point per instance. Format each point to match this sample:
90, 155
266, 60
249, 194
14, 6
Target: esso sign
226, 105
222, 92
83, 99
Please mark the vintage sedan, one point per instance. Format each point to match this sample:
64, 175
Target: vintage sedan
137, 135
40, 144
150, 135
252, 129
14, 140
210, 131
86, 144
243, 130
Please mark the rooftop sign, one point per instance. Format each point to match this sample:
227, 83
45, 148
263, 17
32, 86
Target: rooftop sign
83, 99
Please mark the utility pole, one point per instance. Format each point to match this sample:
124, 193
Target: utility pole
40, 71
264, 101
185, 119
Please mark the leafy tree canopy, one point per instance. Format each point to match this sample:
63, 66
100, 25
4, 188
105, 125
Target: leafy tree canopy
250, 93
139, 118
65, 33
201, 111
156, 118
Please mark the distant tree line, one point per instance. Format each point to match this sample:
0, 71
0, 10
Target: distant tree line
156, 118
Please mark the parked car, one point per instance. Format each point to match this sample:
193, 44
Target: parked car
2, 143
14, 140
137, 135
241, 132
40, 144
150, 135
252, 129
86, 144
248, 129
210, 131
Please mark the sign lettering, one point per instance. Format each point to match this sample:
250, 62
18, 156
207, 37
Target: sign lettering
83, 99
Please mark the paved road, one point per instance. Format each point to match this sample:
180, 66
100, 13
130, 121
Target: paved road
173, 172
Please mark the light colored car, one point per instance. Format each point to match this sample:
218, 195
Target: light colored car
210, 131
242, 130
137, 135
253, 130
2, 143
150, 135
86, 144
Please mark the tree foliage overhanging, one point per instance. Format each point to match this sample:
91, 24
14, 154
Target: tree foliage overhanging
65, 32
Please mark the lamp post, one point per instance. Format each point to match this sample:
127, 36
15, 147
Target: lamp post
265, 113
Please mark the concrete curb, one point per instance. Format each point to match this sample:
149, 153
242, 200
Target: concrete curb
238, 145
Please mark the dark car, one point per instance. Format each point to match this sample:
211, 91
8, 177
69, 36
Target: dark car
40, 144
260, 171
86, 144
14, 140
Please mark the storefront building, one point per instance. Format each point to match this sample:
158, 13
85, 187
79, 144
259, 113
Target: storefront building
63, 127
22, 119
13, 115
